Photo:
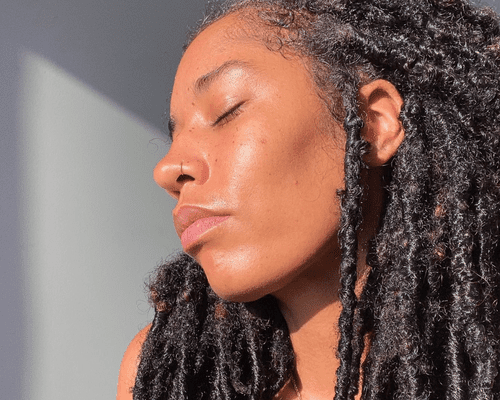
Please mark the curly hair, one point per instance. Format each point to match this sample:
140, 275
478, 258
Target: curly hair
430, 304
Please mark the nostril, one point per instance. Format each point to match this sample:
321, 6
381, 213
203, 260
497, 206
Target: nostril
184, 178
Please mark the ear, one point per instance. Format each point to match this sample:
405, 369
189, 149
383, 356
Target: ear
380, 105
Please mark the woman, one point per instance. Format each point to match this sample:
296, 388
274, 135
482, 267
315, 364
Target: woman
336, 165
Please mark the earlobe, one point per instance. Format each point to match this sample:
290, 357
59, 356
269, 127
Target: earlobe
380, 105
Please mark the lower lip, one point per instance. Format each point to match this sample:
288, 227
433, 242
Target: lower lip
198, 228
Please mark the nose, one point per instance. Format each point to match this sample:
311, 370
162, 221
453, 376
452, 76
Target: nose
177, 170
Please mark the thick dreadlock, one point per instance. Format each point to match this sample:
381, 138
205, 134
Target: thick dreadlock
430, 304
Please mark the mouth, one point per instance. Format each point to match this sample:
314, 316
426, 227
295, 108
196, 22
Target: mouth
191, 223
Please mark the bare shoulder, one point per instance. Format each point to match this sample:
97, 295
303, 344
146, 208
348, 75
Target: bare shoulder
130, 362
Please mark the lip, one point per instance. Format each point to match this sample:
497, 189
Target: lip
191, 222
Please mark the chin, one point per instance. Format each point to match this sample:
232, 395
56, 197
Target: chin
236, 293
238, 276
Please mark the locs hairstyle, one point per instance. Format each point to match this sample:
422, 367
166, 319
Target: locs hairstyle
430, 305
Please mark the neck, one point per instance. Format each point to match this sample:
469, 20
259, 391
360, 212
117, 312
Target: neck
312, 312
311, 308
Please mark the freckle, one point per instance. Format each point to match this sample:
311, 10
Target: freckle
192, 104
296, 182
216, 160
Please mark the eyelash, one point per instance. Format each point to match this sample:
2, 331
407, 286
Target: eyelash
228, 115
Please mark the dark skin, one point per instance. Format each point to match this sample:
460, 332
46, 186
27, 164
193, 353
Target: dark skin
270, 161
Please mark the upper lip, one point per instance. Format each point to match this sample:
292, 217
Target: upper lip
186, 215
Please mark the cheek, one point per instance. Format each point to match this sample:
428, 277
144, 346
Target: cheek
245, 164
274, 171
268, 154
282, 188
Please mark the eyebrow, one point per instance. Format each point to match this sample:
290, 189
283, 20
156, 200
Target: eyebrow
203, 83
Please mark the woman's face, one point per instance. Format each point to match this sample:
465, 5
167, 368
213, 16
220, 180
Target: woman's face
261, 163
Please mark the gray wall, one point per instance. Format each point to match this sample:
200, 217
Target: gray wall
83, 89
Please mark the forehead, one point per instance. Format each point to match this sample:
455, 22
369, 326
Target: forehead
211, 47
229, 40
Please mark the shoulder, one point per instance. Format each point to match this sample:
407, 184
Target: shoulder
130, 362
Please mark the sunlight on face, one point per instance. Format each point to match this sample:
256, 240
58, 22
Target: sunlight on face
257, 205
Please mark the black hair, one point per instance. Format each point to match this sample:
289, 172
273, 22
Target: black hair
430, 303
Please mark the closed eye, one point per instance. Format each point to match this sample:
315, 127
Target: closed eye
229, 115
